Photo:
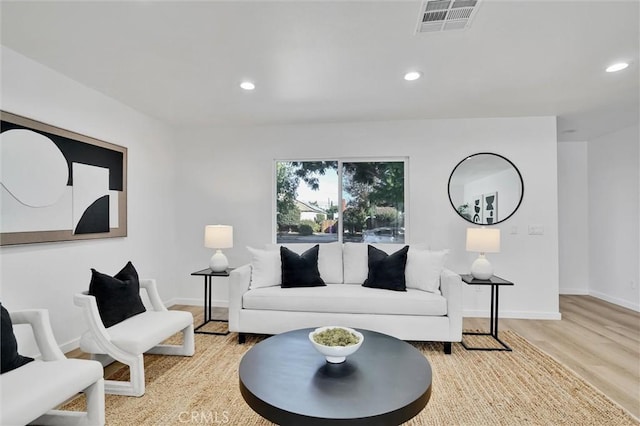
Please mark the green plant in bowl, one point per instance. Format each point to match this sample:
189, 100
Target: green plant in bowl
335, 342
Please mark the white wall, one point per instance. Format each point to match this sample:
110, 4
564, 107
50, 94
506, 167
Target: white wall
614, 219
225, 175
573, 213
47, 275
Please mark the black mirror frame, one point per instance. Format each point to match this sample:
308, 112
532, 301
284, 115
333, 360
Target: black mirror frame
497, 155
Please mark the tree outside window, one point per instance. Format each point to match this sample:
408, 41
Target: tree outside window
310, 207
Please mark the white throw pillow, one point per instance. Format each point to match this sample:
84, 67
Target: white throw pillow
329, 258
356, 266
423, 269
266, 269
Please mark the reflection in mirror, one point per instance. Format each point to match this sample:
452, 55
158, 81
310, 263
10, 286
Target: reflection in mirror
485, 188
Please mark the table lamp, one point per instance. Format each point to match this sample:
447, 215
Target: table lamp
483, 240
218, 237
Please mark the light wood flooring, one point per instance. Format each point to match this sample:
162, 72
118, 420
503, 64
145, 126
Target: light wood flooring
598, 340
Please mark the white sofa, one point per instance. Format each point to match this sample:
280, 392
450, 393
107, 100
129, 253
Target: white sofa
416, 314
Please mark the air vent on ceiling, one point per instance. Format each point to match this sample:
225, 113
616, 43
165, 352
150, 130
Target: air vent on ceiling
446, 15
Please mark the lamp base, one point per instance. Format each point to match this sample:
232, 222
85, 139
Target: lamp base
218, 262
481, 269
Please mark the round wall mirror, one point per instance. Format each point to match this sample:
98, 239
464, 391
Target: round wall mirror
485, 188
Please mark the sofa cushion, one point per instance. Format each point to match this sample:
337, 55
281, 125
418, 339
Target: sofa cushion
386, 270
300, 270
424, 268
117, 297
329, 258
265, 267
9, 357
337, 298
141, 332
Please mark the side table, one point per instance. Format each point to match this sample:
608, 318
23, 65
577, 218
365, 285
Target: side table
495, 283
208, 275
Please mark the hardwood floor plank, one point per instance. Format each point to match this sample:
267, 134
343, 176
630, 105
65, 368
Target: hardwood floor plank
598, 340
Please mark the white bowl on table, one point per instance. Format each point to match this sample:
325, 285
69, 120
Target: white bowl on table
336, 354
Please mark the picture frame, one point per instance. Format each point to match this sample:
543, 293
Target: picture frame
490, 208
58, 185
476, 209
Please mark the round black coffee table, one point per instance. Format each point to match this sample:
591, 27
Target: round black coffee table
285, 380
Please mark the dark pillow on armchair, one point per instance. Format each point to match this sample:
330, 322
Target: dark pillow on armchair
9, 356
387, 271
117, 297
300, 270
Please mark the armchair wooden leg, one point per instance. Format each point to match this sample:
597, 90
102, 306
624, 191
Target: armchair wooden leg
241, 338
447, 348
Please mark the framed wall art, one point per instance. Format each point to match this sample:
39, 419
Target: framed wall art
58, 185
490, 208
476, 209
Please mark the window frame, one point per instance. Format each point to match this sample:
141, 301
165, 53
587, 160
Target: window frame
340, 161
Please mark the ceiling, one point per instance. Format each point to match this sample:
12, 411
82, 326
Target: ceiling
320, 61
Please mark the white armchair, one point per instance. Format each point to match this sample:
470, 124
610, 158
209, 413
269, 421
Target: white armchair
128, 340
30, 394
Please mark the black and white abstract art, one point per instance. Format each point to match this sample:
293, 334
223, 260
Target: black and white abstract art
476, 209
484, 208
490, 208
57, 185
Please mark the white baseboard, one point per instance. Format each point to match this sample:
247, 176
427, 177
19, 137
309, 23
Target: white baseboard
616, 301
217, 303
70, 345
514, 314
574, 291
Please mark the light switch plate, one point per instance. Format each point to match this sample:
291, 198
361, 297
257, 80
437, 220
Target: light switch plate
536, 230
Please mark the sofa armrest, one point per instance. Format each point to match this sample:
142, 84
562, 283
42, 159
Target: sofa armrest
451, 288
239, 281
42, 332
98, 333
151, 288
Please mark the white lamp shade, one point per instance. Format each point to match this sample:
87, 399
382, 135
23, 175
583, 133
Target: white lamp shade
218, 236
483, 240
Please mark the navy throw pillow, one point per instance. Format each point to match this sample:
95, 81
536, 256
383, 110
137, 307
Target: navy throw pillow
387, 270
117, 297
300, 270
9, 356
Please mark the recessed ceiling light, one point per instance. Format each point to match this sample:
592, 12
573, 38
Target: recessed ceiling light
412, 75
247, 85
617, 67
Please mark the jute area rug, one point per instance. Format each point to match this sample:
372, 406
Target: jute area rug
523, 387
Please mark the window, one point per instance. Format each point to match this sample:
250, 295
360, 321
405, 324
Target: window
348, 201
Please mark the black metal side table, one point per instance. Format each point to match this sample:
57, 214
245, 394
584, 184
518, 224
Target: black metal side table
208, 275
495, 283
